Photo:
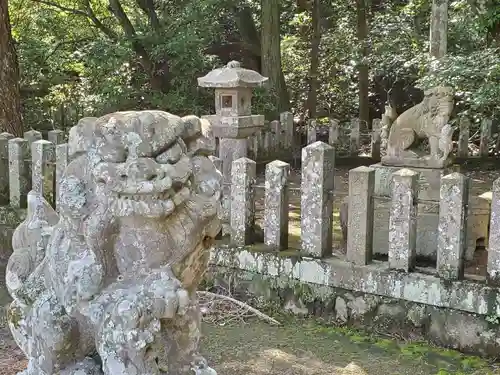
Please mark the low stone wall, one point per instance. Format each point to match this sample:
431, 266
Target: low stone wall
463, 315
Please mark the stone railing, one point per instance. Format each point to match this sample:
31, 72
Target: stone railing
31, 163
445, 286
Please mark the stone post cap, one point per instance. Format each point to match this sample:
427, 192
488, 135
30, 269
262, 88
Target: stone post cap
232, 76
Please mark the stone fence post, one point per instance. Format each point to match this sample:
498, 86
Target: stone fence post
276, 205
403, 220
19, 176
376, 138
486, 125
355, 137
312, 134
360, 218
463, 138
318, 169
286, 119
62, 161
452, 228
4, 166
333, 132
42, 152
242, 212
493, 267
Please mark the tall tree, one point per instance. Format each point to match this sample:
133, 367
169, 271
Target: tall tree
312, 98
271, 52
363, 78
439, 28
10, 102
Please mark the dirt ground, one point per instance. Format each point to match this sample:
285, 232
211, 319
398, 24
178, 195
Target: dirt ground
303, 347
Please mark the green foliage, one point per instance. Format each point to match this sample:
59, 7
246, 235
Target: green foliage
73, 67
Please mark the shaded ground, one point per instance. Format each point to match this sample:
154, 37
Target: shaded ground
303, 347
306, 348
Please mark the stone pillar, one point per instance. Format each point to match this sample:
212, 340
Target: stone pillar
19, 177
42, 152
286, 119
463, 138
4, 167
277, 136
32, 136
62, 161
318, 169
354, 137
452, 228
333, 132
403, 220
360, 218
493, 268
312, 134
439, 28
56, 136
375, 144
242, 201
276, 205
485, 137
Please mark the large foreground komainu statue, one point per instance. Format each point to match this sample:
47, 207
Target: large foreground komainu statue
109, 287
428, 119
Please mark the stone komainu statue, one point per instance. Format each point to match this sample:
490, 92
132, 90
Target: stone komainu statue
109, 285
428, 119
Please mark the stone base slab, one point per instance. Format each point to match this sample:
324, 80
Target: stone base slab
449, 313
415, 162
429, 180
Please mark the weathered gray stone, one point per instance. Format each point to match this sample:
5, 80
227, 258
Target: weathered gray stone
376, 138
355, 137
452, 226
159, 201
62, 160
56, 136
42, 152
242, 201
428, 119
494, 240
4, 167
277, 136
217, 162
360, 306
417, 315
428, 212
403, 221
463, 138
341, 311
360, 217
232, 76
312, 135
276, 205
333, 132
438, 36
286, 119
32, 136
486, 126
19, 178
318, 162
472, 297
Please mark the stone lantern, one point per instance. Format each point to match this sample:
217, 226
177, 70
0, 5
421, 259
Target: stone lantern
233, 121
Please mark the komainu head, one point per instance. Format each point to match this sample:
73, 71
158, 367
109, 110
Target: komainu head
147, 163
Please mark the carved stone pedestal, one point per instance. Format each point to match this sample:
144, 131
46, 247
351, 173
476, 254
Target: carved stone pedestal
428, 212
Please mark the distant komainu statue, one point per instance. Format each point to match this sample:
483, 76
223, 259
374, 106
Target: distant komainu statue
109, 286
428, 119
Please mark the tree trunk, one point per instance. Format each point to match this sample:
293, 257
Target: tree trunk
312, 98
271, 52
363, 79
439, 28
10, 102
